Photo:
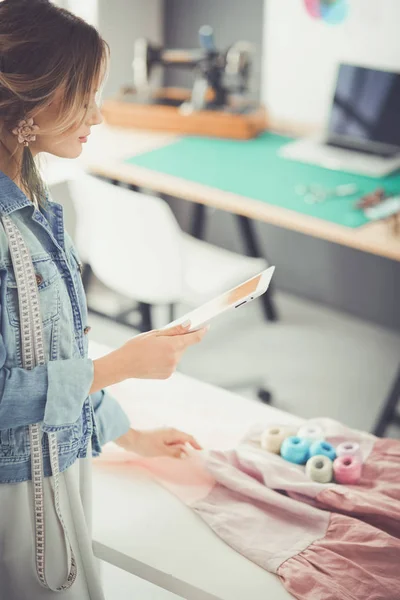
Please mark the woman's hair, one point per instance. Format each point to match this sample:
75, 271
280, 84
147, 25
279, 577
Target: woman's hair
44, 48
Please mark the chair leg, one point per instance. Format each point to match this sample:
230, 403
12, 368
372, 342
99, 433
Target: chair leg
263, 394
388, 413
121, 317
171, 313
87, 275
199, 221
145, 312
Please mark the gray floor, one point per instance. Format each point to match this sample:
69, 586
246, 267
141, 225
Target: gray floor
315, 361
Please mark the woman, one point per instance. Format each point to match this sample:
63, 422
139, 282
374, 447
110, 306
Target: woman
54, 412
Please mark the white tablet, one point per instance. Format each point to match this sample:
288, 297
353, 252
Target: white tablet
234, 298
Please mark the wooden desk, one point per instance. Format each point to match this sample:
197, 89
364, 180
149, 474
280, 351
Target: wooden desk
142, 528
109, 146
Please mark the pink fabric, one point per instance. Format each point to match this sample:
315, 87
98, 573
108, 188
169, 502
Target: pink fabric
265, 526
270, 511
346, 559
352, 562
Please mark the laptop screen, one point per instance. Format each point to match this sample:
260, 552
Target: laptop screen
366, 107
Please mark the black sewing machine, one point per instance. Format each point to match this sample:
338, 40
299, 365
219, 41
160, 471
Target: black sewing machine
217, 74
220, 90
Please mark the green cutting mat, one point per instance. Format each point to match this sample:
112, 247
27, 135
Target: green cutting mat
252, 168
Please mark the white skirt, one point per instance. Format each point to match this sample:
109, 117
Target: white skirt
18, 578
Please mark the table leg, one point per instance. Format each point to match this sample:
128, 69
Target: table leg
253, 249
388, 414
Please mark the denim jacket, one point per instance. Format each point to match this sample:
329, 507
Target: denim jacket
56, 394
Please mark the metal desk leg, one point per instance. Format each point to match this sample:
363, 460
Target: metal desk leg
388, 414
253, 249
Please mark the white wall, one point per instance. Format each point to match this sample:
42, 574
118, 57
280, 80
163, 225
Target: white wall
120, 22
86, 10
301, 53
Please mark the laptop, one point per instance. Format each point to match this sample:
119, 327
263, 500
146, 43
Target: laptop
363, 134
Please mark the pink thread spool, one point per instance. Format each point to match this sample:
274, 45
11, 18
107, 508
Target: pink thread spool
347, 469
349, 449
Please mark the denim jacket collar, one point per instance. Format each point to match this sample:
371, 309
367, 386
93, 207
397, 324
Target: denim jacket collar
12, 197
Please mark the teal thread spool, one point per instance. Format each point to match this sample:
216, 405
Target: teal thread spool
295, 449
324, 448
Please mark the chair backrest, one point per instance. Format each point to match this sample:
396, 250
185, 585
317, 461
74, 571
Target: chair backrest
132, 240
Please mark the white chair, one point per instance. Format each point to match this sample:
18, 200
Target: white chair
135, 246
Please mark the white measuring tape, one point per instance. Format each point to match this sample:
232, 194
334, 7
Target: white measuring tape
33, 355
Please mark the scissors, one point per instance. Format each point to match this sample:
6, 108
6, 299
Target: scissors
314, 193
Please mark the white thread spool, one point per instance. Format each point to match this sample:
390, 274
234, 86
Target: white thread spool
320, 468
311, 432
349, 449
272, 438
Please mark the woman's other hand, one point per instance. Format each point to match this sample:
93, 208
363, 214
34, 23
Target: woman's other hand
157, 442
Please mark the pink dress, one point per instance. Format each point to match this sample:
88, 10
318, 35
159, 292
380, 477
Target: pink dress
324, 541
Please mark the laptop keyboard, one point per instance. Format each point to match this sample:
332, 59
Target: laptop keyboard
387, 153
337, 158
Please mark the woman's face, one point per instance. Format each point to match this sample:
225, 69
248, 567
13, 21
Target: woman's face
68, 144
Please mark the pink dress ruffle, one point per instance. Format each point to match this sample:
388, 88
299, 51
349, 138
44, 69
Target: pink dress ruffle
353, 561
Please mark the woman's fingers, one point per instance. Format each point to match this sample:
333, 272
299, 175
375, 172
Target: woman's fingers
174, 436
193, 442
181, 329
176, 451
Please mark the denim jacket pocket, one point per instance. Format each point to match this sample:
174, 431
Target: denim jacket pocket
48, 281
69, 438
14, 445
47, 277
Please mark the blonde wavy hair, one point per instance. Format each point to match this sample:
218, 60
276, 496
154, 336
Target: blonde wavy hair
44, 48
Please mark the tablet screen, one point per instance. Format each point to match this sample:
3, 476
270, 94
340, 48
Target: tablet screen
203, 314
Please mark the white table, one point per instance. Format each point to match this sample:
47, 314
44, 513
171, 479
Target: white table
142, 528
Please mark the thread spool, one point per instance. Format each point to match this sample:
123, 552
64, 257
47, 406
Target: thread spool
324, 448
295, 449
272, 438
320, 468
347, 470
349, 449
311, 432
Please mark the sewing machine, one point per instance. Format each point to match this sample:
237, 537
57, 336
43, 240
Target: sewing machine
218, 103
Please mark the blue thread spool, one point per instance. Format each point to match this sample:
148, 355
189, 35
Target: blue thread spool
324, 448
295, 449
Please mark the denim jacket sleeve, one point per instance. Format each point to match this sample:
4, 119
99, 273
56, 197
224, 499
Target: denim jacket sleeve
33, 396
111, 419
